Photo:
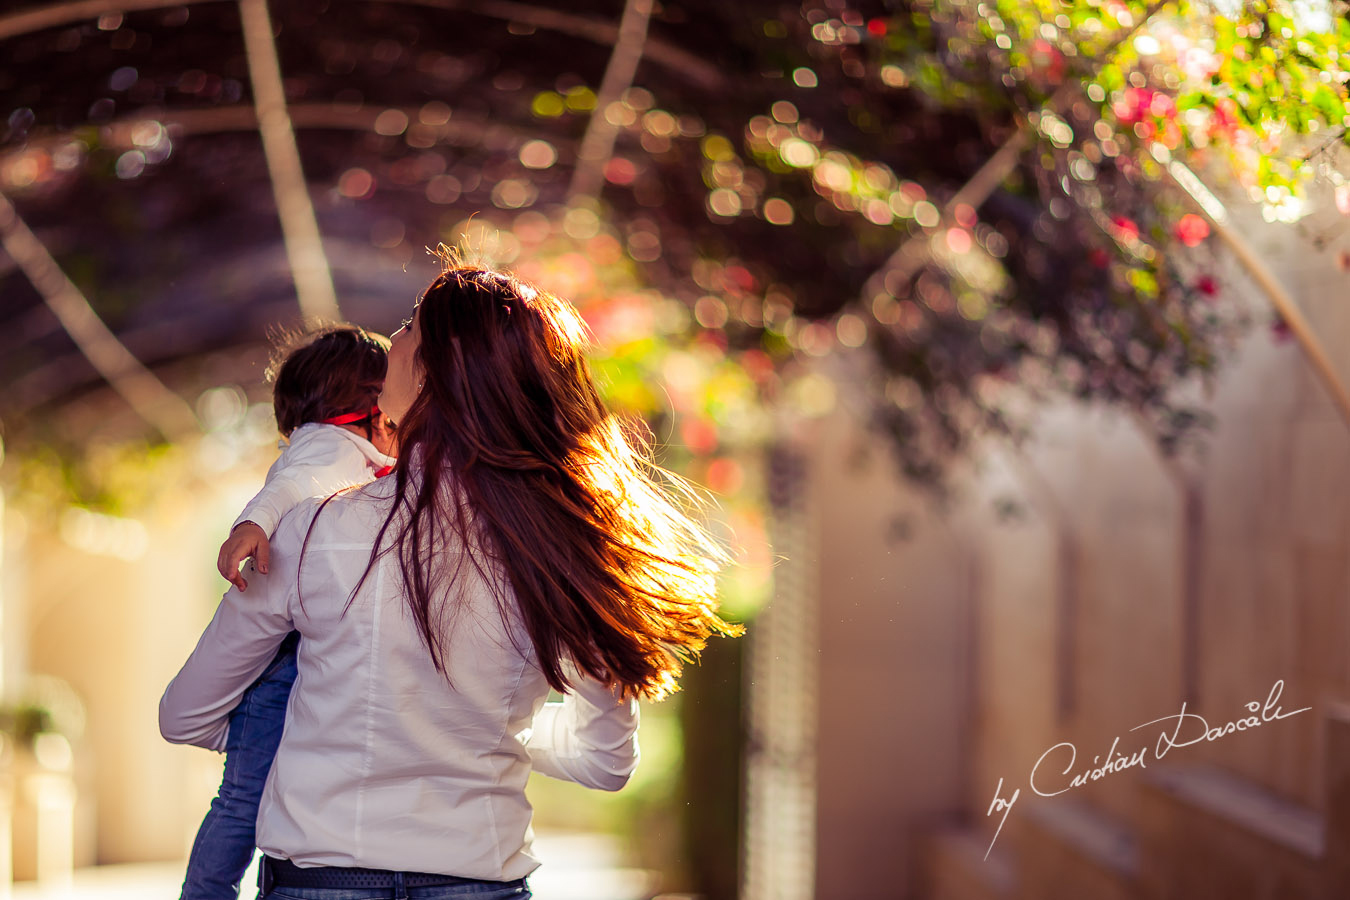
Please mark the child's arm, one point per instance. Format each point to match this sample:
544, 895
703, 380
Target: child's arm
248, 536
316, 469
278, 496
247, 539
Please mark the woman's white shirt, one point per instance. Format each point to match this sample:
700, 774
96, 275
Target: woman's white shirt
384, 763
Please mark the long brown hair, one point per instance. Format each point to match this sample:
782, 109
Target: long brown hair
522, 463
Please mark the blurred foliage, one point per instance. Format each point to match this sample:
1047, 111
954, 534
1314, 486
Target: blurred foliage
42, 704
116, 478
25, 722
1085, 271
754, 201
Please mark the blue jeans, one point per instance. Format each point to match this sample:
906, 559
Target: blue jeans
224, 845
468, 889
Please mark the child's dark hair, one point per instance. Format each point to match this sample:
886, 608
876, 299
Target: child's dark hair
333, 372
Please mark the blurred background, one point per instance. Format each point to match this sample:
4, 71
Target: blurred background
1011, 338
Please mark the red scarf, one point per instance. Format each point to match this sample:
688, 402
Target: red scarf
349, 418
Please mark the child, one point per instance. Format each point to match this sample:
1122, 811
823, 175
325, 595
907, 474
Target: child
324, 396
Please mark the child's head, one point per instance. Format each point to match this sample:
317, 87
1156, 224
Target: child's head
332, 374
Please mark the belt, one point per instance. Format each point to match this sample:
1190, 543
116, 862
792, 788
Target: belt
284, 873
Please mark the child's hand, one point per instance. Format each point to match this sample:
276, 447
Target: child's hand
247, 539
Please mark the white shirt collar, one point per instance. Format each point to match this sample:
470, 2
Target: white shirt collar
312, 430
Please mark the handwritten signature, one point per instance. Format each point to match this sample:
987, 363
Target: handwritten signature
1197, 729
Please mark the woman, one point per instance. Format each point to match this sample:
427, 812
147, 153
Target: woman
521, 543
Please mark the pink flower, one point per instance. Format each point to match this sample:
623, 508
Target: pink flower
1225, 118
1002, 371
1140, 103
738, 278
1343, 199
1192, 230
699, 435
1198, 63
757, 364
1162, 105
1280, 330
725, 476
1125, 229
1207, 286
1133, 106
1168, 134
1047, 59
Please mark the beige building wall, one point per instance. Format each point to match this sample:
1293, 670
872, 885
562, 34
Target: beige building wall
895, 674
117, 631
961, 654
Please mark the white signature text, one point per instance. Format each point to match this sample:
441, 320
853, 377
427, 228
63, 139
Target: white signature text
1188, 728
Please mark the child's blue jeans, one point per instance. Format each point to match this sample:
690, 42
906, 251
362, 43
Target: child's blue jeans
224, 845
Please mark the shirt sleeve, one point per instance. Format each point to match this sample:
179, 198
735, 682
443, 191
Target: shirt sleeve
589, 738
236, 647
278, 495
324, 465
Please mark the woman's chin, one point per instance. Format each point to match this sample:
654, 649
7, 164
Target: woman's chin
395, 414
